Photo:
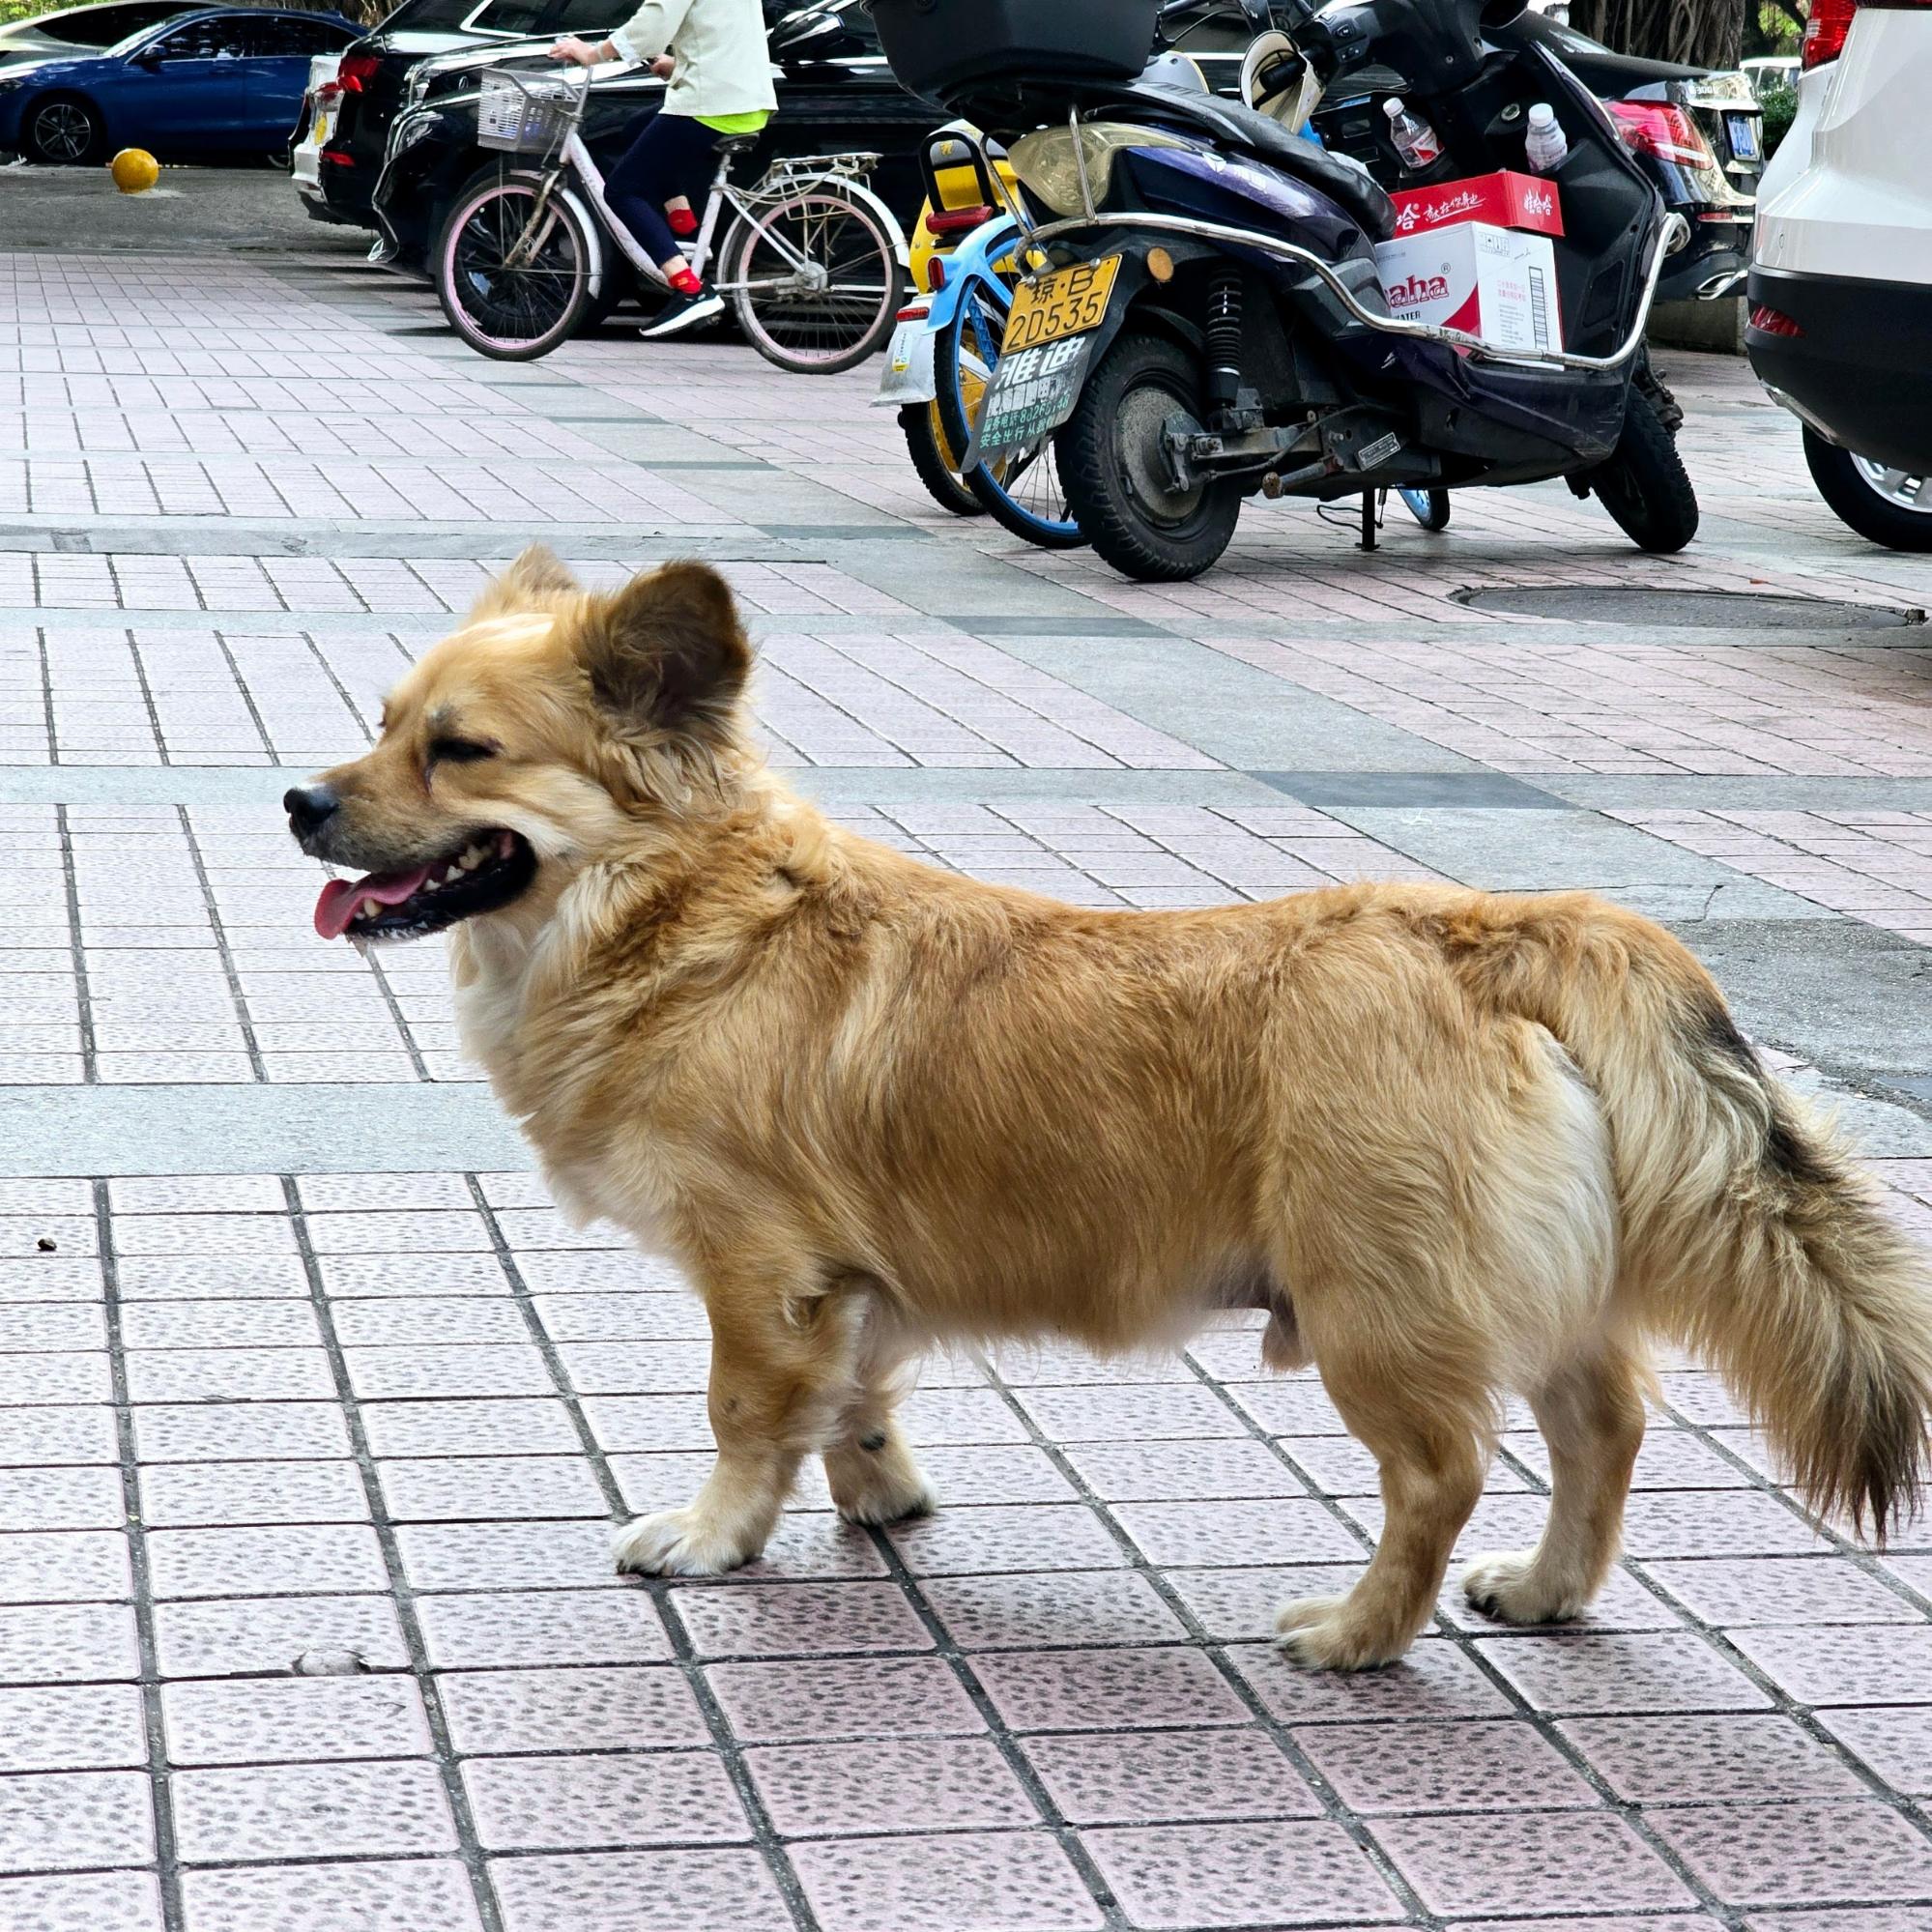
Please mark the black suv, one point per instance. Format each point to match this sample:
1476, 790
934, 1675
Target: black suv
376, 69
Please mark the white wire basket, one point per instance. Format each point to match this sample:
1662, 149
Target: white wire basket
524, 113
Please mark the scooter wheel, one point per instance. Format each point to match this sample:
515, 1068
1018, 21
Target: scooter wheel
1644, 485
1428, 507
1115, 473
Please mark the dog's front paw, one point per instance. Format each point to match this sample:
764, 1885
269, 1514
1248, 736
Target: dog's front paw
1508, 1588
677, 1543
1324, 1635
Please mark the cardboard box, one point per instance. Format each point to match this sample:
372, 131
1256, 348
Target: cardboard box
1505, 199
1497, 283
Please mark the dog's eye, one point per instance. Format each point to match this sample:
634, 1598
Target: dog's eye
458, 751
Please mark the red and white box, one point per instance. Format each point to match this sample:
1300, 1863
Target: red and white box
1498, 284
1505, 199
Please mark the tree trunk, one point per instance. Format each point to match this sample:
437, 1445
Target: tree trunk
1699, 33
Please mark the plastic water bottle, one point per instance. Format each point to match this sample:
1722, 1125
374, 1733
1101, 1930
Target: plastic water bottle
1414, 138
1545, 144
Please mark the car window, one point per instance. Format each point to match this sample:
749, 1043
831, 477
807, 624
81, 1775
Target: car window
267, 38
430, 15
204, 39
509, 17
583, 16
105, 27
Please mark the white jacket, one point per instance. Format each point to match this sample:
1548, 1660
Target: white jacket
723, 65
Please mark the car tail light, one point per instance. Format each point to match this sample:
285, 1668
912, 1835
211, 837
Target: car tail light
1770, 321
956, 221
1824, 32
1662, 130
329, 94
337, 159
356, 71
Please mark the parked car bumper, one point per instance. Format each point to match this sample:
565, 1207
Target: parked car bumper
1861, 373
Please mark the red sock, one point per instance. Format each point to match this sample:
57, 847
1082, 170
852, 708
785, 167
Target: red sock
685, 283
682, 220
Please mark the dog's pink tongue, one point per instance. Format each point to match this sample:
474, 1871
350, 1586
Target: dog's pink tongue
340, 898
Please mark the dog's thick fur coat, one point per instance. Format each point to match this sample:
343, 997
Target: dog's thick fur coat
1454, 1143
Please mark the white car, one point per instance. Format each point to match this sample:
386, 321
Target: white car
1840, 326
312, 132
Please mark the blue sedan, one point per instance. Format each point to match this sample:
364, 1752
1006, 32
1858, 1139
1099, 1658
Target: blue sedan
227, 79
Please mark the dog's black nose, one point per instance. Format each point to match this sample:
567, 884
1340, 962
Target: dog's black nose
309, 807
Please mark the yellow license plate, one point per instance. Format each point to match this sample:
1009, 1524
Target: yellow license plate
1067, 302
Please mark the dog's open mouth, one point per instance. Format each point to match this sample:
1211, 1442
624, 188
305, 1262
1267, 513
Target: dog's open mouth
487, 871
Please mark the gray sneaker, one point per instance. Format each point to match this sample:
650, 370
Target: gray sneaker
684, 313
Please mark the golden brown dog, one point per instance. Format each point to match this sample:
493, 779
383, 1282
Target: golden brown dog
1455, 1144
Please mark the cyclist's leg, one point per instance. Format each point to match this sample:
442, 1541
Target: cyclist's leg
655, 165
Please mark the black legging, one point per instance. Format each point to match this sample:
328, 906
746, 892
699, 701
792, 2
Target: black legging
665, 159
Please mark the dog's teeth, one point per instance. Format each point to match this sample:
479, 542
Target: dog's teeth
371, 908
471, 859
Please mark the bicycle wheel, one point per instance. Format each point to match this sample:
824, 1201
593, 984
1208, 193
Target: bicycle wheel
1428, 507
514, 310
935, 459
814, 278
1021, 488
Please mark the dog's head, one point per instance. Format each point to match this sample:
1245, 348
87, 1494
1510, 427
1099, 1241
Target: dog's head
529, 740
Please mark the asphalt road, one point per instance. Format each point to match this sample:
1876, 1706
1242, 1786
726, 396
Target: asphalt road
191, 209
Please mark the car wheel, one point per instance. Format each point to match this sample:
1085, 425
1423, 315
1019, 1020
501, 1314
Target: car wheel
63, 130
1888, 506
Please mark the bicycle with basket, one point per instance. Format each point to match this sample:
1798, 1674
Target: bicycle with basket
810, 257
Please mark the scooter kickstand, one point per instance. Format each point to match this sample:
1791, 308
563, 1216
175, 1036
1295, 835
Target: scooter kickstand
1368, 519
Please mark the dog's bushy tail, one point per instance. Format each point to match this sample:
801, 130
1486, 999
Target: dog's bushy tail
1748, 1235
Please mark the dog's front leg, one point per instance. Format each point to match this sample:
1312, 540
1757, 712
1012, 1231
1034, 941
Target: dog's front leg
780, 1373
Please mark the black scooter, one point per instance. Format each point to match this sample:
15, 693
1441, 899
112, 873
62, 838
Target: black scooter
1204, 317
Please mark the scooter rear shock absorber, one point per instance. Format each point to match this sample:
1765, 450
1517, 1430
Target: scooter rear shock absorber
1223, 340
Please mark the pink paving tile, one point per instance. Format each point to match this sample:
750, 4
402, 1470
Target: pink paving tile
798, 1618
983, 1473
293, 1719
727, 1891
1615, 1672
507, 1556
1873, 1664
1856, 1850
552, 1626
228, 1636
1530, 1861
66, 1820
966, 1542
811, 1544
571, 1804
1851, 1918
67, 1643
1434, 1680
326, 1558
1713, 1522
83, 1902
297, 1810
1895, 1742
1240, 1604
1739, 1590
563, 1710
1108, 1689
1082, 1607
72, 1727
1671, 1922
1130, 1413
1239, 1533
1667, 1760
1473, 1767
862, 1697
1189, 1471
1210, 1875
405, 1895
1137, 1776
975, 1882
896, 1784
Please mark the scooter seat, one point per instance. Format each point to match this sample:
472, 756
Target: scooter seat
1239, 130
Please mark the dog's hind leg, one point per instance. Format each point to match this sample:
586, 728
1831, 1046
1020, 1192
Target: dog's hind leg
871, 1469
782, 1372
1433, 1455
1592, 1416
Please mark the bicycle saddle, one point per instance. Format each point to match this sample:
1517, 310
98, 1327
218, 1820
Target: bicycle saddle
734, 144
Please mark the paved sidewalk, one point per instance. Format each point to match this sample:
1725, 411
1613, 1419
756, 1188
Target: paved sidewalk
315, 1414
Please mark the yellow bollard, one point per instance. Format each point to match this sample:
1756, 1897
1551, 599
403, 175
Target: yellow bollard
134, 170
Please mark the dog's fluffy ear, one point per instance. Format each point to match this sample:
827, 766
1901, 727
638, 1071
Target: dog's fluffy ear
538, 574
666, 652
